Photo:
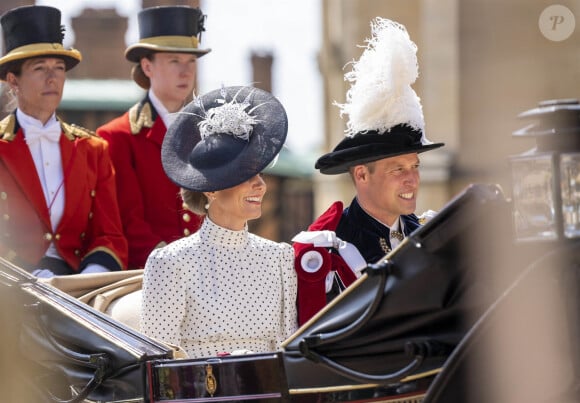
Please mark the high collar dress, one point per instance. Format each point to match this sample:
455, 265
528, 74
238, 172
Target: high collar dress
219, 291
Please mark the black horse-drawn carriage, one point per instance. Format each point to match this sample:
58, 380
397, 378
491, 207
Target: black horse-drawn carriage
468, 308
407, 331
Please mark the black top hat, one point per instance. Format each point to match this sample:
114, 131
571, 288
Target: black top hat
372, 146
224, 138
168, 29
34, 31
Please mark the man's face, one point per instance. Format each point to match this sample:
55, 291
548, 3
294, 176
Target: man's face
388, 188
172, 76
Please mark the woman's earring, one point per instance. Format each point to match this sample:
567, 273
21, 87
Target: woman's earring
209, 201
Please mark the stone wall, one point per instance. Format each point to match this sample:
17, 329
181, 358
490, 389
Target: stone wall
481, 63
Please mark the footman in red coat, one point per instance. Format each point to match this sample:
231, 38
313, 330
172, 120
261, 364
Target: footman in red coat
165, 60
58, 202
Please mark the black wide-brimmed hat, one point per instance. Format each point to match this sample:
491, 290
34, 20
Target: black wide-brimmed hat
168, 29
385, 113
224, 138
373, 146
34, 31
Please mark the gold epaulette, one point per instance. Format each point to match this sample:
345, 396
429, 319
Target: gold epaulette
140, 116
72, 131
7, 126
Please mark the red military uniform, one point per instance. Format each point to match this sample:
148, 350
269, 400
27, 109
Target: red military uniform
90, 229
312, 284
151, 208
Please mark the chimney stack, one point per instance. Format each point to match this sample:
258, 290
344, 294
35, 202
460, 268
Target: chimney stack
100, 37
262, 70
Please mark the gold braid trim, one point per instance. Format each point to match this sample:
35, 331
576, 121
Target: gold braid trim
72, 131
108, 251
7, 126
384, 245
140, 117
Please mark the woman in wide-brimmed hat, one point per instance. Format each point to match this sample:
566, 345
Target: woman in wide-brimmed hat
164, 63
57, 189
222, 289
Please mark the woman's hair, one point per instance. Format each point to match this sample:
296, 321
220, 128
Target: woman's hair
195, 201
139, 75
15, 67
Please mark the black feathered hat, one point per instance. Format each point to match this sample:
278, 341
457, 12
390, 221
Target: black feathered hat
372, 146
224, 138
34, 31
385, 114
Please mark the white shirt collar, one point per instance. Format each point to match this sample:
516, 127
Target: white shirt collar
396, 225
165, 115
26, 121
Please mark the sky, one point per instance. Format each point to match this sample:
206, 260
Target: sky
288, 29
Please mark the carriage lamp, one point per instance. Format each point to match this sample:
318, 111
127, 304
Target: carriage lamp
546, 179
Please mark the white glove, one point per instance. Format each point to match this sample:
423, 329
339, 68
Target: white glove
325, 239
426, 216
43, 273
242, 352
94, 268
328, 239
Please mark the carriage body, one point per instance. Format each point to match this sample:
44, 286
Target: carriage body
387, 338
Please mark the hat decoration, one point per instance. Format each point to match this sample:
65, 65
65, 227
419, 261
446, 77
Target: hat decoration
381, 96
385, 116
34, 31
223, 138
231, 118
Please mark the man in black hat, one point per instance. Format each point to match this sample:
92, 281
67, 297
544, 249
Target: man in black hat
165, 65
57, 188
385, 135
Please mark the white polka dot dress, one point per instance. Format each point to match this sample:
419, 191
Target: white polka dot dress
220, 291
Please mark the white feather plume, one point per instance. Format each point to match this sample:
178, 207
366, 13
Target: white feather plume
380, 95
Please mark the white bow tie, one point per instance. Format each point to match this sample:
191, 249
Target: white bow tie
50, 133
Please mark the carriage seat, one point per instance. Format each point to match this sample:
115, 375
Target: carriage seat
117, 294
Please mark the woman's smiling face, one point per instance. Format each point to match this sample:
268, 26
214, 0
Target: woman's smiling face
232, 208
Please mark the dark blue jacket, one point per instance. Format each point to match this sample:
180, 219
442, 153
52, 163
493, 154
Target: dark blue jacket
364, 232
